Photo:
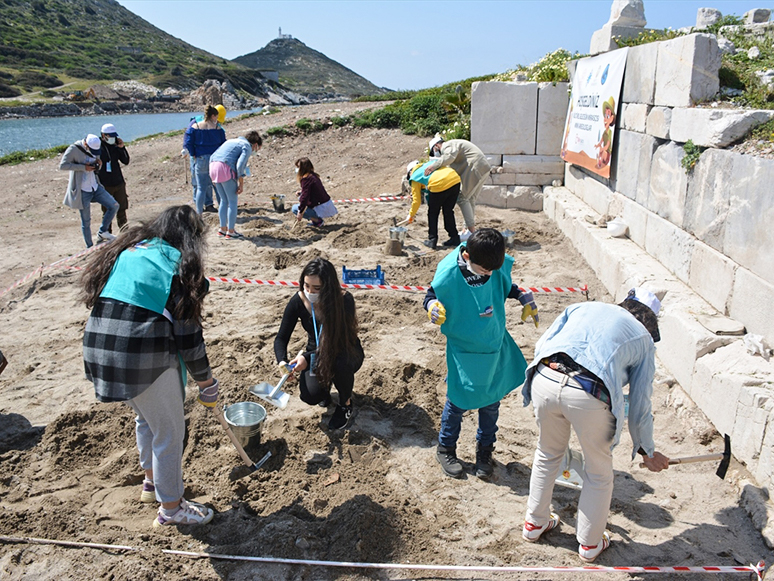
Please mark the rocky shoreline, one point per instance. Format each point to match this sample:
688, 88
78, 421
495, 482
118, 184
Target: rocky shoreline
88, 108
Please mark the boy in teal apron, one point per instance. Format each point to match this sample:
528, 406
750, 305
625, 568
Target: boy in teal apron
467, 299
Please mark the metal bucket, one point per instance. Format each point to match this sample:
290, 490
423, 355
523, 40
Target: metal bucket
510, 237
398, 233
245, 420
279, 202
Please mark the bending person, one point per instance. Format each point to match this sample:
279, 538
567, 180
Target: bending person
576, 381
333, 352
314, 203
228, 168
443, 188
473, 168
146, 291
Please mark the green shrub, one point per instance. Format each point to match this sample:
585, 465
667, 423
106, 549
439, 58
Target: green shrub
18, 157
648, 36
692, 154
31, 79
277, 131
727, 20
304, 125
340, 121
6, 91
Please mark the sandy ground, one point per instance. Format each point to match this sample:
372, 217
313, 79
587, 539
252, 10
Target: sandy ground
372, 493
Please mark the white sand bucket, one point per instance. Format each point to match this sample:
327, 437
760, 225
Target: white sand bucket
510, 237
398, 233
245, 420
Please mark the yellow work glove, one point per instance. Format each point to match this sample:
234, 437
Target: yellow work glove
436, 312
530, 307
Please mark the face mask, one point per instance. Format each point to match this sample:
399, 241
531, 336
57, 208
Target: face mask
111, 140
311, 297
254, 152
296, 170
436, 152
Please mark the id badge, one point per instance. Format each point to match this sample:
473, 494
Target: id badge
312, 364
488, 312
107, 167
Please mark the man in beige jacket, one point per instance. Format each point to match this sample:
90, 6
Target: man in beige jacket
473, 168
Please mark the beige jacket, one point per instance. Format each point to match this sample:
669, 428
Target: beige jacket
468, 161
74, 160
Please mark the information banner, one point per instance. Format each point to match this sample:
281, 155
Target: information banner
591, 118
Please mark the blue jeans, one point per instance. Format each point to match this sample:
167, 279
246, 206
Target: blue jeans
98, 196
227, 211
309, 213
451, 421
202, 183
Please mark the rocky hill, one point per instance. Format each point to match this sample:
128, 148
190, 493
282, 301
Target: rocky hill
305, 70
44, 43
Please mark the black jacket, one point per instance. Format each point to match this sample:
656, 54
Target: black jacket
112, 154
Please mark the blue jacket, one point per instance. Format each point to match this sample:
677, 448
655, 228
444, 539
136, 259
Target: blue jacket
608, 341
235, 153
199, 142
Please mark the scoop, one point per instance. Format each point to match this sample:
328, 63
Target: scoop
273, 393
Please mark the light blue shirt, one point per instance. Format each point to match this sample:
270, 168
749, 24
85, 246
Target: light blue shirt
235, 153
608, 341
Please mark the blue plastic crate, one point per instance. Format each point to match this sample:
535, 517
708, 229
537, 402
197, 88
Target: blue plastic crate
364, 276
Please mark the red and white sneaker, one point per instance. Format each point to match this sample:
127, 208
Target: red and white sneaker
531, 533
588, 554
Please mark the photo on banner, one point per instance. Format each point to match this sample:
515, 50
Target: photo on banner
590, 128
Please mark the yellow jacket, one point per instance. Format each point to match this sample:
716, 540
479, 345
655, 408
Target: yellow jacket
439, 181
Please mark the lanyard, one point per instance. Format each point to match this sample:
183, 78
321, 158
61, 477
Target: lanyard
314, 326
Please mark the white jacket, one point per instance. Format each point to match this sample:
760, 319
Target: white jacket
74, 160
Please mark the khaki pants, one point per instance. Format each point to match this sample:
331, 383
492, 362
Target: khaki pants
558, 407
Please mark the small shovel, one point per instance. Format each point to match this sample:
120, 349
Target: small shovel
273, 393
725, 459
253, 466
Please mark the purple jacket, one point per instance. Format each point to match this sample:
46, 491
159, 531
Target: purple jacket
312, 192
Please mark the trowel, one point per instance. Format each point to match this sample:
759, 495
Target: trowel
273, 393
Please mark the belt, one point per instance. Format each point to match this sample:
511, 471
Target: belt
558, 376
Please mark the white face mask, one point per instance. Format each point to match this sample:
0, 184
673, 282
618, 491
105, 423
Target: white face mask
311, 297
296, 170
436, 152
111, 140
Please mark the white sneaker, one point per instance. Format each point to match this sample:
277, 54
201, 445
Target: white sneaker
465, 234
105, 237
588, 554
531, 533
189, 513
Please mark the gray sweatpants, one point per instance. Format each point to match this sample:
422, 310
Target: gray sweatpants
160, 430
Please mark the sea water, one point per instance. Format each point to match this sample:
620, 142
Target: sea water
45, 132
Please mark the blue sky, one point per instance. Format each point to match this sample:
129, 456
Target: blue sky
409, 44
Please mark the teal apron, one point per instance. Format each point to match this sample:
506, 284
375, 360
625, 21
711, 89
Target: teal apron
142, 276
484, 363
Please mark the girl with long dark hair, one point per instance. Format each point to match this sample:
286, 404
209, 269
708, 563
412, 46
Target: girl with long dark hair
146, 290
333, 352
314, 203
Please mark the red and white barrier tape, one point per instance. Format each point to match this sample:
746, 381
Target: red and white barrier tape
756, 569
381, 199
397, 287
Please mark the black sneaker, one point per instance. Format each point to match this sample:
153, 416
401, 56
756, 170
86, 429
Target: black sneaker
452, 241
340, 417
325, 402
484, 462
431, 243
447, 458
211, 209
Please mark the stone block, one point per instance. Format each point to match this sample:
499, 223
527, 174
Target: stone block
593, 193
501, 179
684, 341
636, 218
754, 408
553, 100
504, 117
756, 16
536, 164
602, 39
526, 198
668, 183
707, 16
659, 122
712, 276
749, 236
632, 161
627, 13
707, 201
639, 84
687, 70
634, 116
493, 196
549, 200
751, 303
494, 160
536, 179
670, 245
714, 127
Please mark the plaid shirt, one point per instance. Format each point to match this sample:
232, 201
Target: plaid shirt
126, 348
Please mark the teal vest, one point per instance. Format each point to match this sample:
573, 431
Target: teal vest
483, 361
142, 276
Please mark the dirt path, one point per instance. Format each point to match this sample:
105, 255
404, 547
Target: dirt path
373, 493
